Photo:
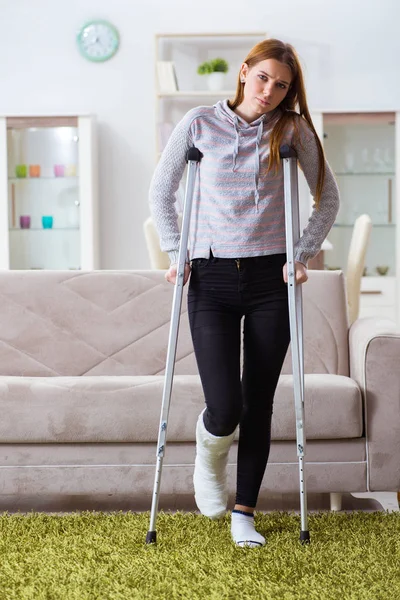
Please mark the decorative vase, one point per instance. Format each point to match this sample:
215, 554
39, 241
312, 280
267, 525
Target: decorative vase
216, 81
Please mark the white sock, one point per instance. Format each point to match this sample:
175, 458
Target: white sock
209, 476
243, 531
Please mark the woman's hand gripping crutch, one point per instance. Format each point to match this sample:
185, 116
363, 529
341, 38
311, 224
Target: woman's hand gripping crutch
193, 158
292, 223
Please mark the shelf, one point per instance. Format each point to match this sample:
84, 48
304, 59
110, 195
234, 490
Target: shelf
351, 225
196, 93
238, 34
216, 41
43, 229
358, 173
42, 178
357, 117
43, 269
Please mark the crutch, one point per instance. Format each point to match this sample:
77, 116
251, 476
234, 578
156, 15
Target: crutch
292, 226
193, 158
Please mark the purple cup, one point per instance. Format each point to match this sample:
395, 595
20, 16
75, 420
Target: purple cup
25, 221
59, 170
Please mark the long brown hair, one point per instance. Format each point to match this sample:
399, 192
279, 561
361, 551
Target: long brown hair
295, 98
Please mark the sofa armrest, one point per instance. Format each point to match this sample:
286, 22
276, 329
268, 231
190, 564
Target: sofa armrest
374, 351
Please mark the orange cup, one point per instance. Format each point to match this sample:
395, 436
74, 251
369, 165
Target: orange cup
34, 170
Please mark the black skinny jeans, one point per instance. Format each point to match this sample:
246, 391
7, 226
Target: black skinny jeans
221, 292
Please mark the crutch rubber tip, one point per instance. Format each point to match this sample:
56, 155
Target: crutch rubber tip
151, 537
305, 537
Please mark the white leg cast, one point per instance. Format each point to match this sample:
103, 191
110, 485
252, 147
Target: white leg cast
336, 501
209, 477
388, 500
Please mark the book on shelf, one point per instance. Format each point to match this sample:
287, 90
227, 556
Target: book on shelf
167, 81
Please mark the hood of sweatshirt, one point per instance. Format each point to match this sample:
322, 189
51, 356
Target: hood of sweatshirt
256, 128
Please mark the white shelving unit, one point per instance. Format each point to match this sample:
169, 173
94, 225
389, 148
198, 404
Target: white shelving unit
187, 52
48, 172
362, 148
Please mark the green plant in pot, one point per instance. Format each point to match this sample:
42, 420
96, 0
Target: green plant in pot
215, 70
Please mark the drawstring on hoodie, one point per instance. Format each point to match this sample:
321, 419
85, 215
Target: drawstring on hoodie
257, 163
260, 129
236, 146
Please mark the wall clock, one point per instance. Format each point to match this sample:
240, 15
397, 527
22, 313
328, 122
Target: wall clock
98, 40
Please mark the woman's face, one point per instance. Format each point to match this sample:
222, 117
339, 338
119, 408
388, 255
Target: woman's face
266, 85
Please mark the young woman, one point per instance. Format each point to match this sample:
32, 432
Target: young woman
237, 262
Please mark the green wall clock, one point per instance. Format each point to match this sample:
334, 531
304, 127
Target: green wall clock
98, 40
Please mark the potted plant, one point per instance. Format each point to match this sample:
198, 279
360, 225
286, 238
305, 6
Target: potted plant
215, 70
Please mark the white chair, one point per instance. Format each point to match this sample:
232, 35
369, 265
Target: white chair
355, 264
158, 259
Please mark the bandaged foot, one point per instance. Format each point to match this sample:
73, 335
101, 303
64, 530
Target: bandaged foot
209, 479
243, 530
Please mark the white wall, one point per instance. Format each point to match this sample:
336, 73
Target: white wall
351, 61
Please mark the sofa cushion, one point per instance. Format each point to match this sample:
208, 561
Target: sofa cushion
68, 323
333, 408
326, 345
64, 323
127, 408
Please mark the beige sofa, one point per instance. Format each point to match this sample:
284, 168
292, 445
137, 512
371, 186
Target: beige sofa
82, 356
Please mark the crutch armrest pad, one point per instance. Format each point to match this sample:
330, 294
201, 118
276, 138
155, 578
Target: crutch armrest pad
194, 155
287, 151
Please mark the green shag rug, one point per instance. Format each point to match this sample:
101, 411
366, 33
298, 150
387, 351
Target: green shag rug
93, 555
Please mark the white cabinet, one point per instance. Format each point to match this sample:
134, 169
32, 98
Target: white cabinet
48, 184
363, 150
378, 297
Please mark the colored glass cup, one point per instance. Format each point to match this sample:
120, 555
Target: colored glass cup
59, 170
70, 170
47, 222
25, 221
34, 170
20, 170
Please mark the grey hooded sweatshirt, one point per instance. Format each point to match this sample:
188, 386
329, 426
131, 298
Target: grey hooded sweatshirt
238, 209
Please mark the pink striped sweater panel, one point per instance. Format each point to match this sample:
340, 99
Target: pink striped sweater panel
238, 209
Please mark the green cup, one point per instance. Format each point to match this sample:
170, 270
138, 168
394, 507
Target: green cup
21, 170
